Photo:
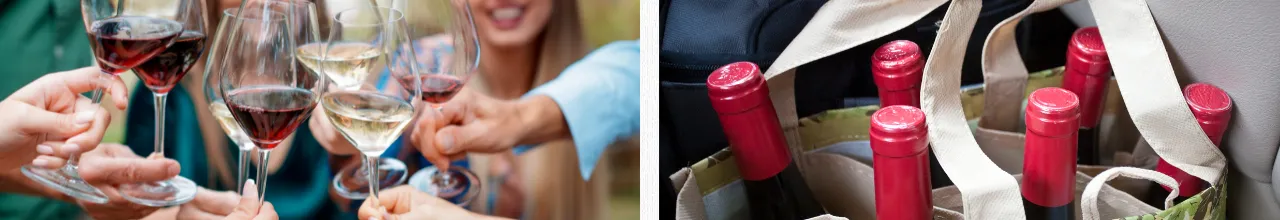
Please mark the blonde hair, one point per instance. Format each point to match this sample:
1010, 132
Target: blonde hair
550, 175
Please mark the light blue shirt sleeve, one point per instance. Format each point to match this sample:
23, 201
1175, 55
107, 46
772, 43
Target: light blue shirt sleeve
599, 97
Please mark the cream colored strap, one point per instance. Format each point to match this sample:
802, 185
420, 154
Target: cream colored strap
689, 204
987, 191
838, 26
1089, 198
1004, 75
827, 217
1150, 89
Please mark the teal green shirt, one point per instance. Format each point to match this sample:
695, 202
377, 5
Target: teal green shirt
302, 182
39, 37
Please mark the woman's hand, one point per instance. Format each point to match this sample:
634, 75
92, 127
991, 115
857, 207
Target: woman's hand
110, 165
250, 209
210, 205
404, 202
51, 113
477, 123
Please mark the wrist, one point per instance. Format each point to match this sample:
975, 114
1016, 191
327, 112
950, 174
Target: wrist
540, 120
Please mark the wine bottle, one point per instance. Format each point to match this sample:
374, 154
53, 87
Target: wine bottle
1049, 168
775, 189
1212, 109
1088, 71
900, 142
898, 68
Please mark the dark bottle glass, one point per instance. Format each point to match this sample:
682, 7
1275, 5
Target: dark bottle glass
775, 189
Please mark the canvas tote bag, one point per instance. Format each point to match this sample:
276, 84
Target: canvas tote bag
989, 192
1127, 27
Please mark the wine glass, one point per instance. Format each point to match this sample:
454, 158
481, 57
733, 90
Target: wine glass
121, 40
160, 74
303, 17
358, 46
265, 92
371, 117
449, 58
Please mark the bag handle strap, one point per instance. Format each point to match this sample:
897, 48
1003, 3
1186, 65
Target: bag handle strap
987, 191
1089, 198
1151, 90
838, 26
1004, 74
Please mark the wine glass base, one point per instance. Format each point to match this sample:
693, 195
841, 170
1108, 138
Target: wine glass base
66, 181
171, 192
461, 187
352, 182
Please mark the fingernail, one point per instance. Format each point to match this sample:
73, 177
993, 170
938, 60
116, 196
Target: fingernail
446, 141
84, 118
39, 162
247, 192
174, 168
44, 149
71, 148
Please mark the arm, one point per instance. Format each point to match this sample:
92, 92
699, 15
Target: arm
596, 101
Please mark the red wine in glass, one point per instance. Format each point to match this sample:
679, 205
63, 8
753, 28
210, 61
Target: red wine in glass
268, 114
121, 43
436, 88
167, 68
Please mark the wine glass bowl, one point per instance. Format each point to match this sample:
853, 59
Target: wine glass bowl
368, 112
160, 74
447, 55
121, 39
227, 28
264, 90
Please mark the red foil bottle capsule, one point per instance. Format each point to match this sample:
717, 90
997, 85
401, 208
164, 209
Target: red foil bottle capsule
1212, 109
1049, 168
898, 68
775, 189
1087, 72
899, 140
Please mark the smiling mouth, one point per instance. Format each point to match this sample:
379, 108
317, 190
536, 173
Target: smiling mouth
508, 17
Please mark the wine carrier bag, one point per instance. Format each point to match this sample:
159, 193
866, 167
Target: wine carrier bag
1134, 47
1145, 76
833, 141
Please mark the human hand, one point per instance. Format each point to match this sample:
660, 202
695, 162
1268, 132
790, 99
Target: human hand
211, 205
468, 123
249, 208
110, 165
405, 202
50, 112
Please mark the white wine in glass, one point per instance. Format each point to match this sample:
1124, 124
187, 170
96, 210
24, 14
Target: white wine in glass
346, 63
371, 121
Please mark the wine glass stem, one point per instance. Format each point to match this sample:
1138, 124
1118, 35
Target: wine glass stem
371, 167
262, 174
160, 99
242, 171
103, 80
